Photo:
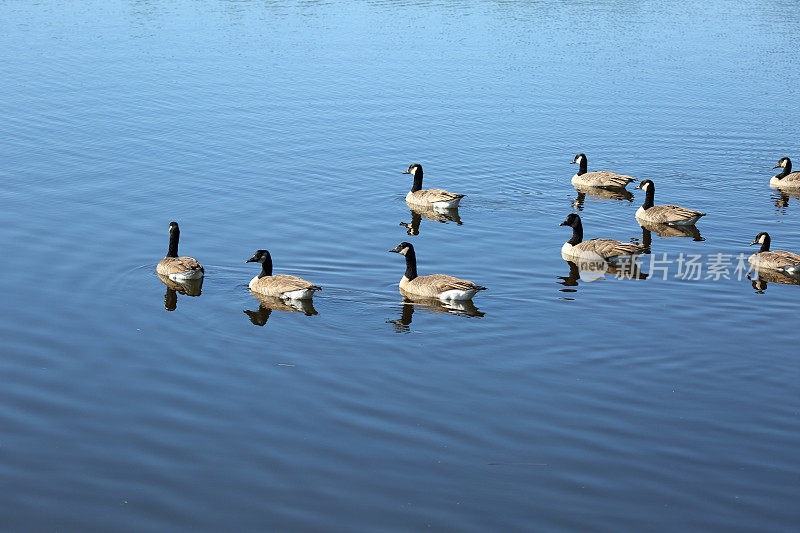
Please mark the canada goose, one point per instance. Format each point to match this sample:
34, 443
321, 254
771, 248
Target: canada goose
439, 286
174, 267
601, 179
433, 197
280, 285
671, 215
786, 178
764, 259
602, 249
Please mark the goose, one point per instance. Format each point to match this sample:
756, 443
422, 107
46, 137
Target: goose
595, 249
174, 267
279, 285
779, 260
671, 215
786, 178
601, 179
433, 197
441, 286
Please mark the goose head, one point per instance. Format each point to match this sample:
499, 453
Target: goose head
259, 257
783, 162
572, 220
761, 238
413, 169
646, 185
403, 248
578, 159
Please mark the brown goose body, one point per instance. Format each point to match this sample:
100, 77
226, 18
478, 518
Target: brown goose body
608, 249
602, 179
434, 197
436, 285
789, 181
283, 285
181, 267
671, 215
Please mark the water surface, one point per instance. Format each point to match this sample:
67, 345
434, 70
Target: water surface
558, 401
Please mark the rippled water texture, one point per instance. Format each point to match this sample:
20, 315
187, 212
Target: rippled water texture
558, 401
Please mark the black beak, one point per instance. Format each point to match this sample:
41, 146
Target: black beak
638, 186
572, 162
252, 260
754, 242
406, 172
395, 250
776, 166
564, 223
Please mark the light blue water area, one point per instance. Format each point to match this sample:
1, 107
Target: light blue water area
558, 402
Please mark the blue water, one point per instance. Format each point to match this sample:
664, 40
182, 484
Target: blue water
557, 403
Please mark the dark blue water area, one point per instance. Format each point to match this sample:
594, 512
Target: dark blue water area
561, 400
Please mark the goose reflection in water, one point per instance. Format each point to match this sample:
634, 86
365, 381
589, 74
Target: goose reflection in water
463, 308
597, 193
431, 213
597, 269
780, 198
189, 287
269, 304
666, 231
760, 279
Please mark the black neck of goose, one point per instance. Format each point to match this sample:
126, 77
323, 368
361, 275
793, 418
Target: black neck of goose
266, 267
417, 181
582, 166
649, 197
411, 264
173, 243
786, 171
765, 244
577, 234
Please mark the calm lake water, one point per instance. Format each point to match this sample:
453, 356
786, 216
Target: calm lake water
558, 402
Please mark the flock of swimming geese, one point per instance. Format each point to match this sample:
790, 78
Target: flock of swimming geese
446, 288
